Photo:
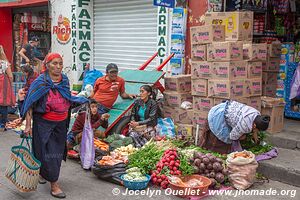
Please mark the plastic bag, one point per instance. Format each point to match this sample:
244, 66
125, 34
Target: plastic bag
91, 76
87, 149
166, 127
242, 170
186, 105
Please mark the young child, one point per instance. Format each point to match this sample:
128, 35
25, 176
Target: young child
97, 120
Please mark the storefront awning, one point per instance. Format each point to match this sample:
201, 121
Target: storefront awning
22, 3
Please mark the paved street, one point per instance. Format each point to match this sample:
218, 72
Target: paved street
79, 184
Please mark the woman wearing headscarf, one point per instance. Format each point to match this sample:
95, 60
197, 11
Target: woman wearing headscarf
229, 122
7, 97
47, 103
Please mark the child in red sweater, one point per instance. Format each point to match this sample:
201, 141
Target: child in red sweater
97, 120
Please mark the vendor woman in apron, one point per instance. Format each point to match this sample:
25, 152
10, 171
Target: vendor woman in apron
228, 123
47, 103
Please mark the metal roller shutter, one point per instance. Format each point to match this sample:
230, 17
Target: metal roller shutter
125, 32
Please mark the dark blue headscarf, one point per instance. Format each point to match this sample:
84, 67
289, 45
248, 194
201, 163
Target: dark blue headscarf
41, 87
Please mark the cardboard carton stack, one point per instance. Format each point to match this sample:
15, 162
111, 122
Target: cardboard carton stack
232, 65
178, 90
202, 37
274, 107
271, 68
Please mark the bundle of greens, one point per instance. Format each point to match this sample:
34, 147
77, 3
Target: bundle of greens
257, 149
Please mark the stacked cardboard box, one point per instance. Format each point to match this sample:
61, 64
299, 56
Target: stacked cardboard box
201, 38
233, 65
178, 90
271, 68
274, 107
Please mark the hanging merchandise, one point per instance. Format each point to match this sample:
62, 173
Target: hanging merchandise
233, 5
255, 5
214, 5
177, 63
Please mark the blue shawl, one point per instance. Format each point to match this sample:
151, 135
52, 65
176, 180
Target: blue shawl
41, 87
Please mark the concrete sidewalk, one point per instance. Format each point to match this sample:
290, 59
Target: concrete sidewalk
80, 184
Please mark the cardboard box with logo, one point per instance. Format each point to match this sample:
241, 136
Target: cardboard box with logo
200, 118
269, 90
185, 130
254, 69
255, 102
229, 70
202, 104
179, 115
273, 107
199, 87
253, 87
199, 52
201, 69
269, 78
225, 51
178, 83
226, 89
175, 99
238, 25
255, 52
207, 34
272, 64
274, 49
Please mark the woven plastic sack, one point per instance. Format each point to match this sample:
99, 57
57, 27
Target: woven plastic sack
23, 168
87, 149
241, 171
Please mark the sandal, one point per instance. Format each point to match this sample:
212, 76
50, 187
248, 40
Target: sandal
61, 195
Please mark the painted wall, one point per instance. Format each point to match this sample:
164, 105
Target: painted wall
72, 24
6, 38
196, 11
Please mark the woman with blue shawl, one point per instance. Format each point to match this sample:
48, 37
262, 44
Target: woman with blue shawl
47, 104
228, 123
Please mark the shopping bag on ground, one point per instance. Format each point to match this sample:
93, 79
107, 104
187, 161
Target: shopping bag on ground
165, 127
241, 169
87, 149
23, 168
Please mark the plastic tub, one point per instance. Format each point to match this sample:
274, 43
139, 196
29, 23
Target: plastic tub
186, 192
135, 185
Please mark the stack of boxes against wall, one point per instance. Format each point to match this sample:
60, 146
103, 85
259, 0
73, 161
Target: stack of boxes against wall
178, 90
225, 64
271, 69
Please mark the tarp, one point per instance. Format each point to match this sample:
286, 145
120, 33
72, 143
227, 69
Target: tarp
22, 3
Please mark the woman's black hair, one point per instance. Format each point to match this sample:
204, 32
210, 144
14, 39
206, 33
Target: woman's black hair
149, 89
262, 122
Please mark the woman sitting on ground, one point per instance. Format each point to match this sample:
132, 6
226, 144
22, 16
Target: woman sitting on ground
143, 117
